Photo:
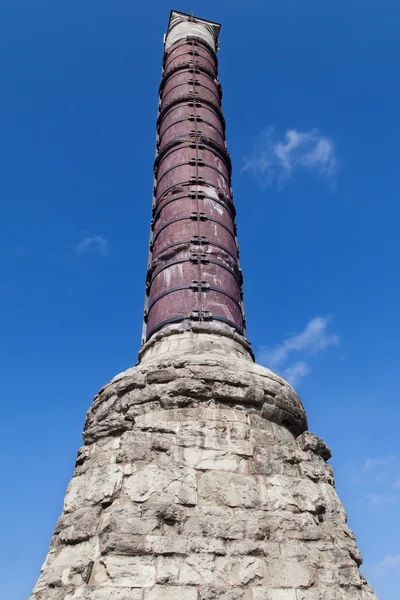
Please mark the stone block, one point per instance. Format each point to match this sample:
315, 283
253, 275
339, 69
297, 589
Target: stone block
336, 593
260, 593
214, 442
110, 594
97, 486
296, 549
310, 442
285, 573
79, 525
317, 470
205, 545
130, 571
204, 459
195, 569
167, 592
238, 570
224, 415
283, 492
126, 519
156, 422
230, 489
123, 544
161, 376
133, 447
229, 392
164, 512
189, 387
72, 565
253, 548
220, 593
213, 525
162, 485
166, 544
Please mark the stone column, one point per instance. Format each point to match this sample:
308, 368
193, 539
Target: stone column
198, 479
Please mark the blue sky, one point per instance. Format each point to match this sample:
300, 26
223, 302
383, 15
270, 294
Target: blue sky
311, 97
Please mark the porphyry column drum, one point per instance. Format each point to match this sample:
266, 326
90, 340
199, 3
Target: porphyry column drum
194, 272
198, 479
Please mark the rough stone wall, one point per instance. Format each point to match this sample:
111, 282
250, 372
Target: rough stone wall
192, 485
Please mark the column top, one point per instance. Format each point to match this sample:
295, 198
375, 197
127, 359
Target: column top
181, 25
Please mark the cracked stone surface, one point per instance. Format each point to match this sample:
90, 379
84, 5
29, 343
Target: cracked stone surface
198, 480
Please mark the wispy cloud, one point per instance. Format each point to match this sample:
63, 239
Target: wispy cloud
379, 499
313, 339
391, 561
275, 159
295, 372
91, 244
373, 463
387, 572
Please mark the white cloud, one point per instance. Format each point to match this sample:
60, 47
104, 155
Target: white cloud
391, 560
387, 569
311, 340
379, 499
274, 160
295, 372
95, 243
373, 463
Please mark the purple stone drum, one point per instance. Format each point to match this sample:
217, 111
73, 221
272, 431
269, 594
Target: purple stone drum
193, 271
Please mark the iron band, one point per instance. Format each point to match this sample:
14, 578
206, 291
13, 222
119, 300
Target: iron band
192, 218
152, 276
176, 144
231, 209
195, 289
190, 98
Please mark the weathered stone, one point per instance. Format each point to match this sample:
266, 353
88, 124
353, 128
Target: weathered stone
240, 570
310, 441
218, 593
109, 594
253, 547
229, 489
130, 571
161, 376
127, 518
215, 523
260, 593
72, 565
165, 485
289, 573
98, 486
167, 592
79, 525
203, 459
206, 501
206, 545
194, 569
189, 387
164, 512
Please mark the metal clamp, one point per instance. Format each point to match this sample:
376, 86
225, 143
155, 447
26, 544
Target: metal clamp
198, 216
199, 258
197, 286
199, 239
200, 315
